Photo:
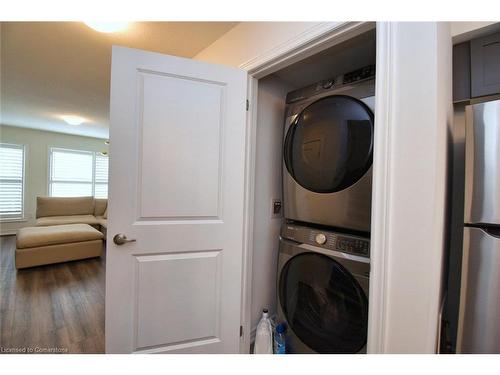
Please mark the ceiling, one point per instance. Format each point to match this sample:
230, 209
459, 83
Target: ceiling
49, 69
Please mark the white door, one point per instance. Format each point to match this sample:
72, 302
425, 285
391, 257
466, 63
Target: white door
177, 187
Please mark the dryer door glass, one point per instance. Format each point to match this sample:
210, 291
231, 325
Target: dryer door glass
323, 304
329, 145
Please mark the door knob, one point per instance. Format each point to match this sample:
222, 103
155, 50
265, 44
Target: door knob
121, 239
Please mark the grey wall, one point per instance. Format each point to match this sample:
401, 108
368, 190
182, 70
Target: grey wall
271, 109
37, 144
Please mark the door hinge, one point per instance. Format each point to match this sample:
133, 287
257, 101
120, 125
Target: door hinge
248, 104
241, 331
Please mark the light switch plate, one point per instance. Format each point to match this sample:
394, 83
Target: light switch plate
276, 208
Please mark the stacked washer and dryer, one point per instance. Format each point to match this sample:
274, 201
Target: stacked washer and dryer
324, 254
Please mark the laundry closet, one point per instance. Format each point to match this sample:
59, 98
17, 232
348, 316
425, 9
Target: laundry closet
326, 213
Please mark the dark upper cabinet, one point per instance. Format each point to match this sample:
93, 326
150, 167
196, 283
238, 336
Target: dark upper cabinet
461, 72
485, 65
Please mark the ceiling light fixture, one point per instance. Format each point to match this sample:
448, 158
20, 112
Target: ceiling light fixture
108, 27
73, 120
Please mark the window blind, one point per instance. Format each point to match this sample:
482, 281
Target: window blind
71, 173
78, 173
101, 176
11, 181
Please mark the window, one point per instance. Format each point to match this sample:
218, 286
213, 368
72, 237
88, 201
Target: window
11, 181
78, 173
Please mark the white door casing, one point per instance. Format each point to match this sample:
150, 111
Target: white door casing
177, 157
412, 115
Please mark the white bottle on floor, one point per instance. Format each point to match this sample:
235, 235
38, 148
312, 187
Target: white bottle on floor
264, 335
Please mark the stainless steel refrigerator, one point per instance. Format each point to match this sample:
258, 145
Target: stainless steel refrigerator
479, 314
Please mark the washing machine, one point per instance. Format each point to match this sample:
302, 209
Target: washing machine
323, 286
328, 148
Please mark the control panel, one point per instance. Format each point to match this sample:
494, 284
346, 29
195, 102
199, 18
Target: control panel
335, 83
346, 243
360, 74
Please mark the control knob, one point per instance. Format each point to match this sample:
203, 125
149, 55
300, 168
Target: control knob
320, 239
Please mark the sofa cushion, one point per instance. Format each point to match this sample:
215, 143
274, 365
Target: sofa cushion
100, 206
58, 234
70, 219
103, 222
58, 206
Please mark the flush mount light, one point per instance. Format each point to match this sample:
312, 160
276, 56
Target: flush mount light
108, 27
73, 120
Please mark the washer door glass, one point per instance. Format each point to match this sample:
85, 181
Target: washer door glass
329, 145
323, 304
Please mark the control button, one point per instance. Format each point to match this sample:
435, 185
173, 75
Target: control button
327, 84
320, 239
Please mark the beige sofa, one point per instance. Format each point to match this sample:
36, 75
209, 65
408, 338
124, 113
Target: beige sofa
74, 210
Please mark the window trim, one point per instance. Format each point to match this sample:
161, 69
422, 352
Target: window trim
22, 217
69, 150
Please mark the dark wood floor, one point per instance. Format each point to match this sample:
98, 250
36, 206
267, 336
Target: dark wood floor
56, 307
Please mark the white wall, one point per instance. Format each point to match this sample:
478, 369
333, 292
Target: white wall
462, 31
248, 40
271, 109
37, 155
457, 28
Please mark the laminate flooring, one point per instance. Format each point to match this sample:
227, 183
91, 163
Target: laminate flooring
51, 309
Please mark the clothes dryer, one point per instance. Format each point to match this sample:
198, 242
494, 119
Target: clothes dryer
328, 151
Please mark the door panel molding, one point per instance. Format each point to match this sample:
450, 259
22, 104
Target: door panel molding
186, 189
172, 269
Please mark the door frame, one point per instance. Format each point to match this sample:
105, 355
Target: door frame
385, 204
